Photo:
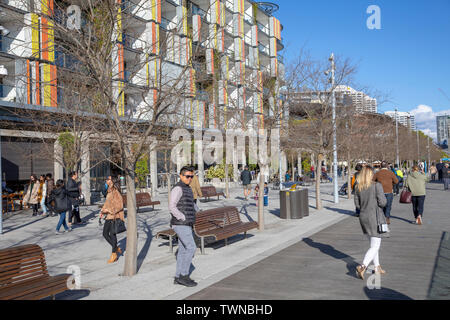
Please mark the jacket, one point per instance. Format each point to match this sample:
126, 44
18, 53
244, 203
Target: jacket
113, 207
195, 186
58, 200
416, 183
445, 173
246, 177
32, 194
387, 179
370, 201
73, 190
185, 205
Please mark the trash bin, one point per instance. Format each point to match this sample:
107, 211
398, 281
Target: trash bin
294, 204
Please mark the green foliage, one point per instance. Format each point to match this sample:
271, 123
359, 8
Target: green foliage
306, 165
67, 142
142, 169
218, 171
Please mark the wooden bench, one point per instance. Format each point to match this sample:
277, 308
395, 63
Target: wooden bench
210, 191
220, 223
24, 275
143, 199
167, 233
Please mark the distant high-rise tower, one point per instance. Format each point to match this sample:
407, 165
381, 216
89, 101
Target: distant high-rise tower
404, 118
443, 128
361, 101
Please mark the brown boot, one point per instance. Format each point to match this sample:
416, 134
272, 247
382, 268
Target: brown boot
388, 220
119, 251
379, 270
113, 258
360, 271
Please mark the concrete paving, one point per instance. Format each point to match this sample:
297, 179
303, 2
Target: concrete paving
322, 265
84, 248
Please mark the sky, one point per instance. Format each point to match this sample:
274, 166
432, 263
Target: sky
408, 59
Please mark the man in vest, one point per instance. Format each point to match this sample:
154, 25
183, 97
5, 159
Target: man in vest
183, 209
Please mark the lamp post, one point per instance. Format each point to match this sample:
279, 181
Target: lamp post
397, 160
333, 102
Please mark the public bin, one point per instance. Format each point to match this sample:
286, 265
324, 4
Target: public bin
294, 204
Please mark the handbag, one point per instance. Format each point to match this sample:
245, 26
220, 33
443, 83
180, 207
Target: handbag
405, 196
382, 225
119, 226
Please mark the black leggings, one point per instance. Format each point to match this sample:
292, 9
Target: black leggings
418, 204
35, 209
109, 235
75, 214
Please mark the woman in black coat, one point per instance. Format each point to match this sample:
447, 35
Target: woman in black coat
60, 203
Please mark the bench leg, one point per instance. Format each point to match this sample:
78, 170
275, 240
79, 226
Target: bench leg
245, 235
170, 243
226, 241
202, 249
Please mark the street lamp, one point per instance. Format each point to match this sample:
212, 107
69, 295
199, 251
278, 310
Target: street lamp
333, 101
396, 139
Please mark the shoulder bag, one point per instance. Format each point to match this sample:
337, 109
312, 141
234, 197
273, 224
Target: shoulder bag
119, 226
405, 196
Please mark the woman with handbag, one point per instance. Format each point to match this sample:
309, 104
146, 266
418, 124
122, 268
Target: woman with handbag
369, 200
113, 211
32, 195
416, 184
59, 202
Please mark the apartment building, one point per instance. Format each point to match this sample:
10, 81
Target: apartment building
404, 118
361, 101
226, 50
443, 128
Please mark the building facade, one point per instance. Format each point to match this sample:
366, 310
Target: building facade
443, 128
404, 118
360, 101
230, 49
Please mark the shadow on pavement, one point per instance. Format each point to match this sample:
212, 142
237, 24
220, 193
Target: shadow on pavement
71, 295
336, 254
9, 229
385, 294
143, 253
341, 211
403, 219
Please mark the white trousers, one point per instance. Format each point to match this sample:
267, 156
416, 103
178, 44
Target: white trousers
372, 253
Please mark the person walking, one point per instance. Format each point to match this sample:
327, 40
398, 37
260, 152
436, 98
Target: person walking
439, 167
446, 176
43, 194
196, 189
399, 174
32, 195
415, 182
246, 178
433, 171
59, 202
183, 209
369, 199
387, 179
112, 210
50, 186
73, 189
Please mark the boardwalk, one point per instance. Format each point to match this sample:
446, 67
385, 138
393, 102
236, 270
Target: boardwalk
416, 259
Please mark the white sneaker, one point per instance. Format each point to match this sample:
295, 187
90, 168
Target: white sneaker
59, 232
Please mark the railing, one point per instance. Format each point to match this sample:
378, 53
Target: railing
132, 42
7, 92
263, 28
230, 5
248, 39
264, 49
168, 25
248, 18
197, 10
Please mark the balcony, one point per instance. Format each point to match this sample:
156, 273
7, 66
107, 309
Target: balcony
130, 42
264, 49
263, 28
248, 18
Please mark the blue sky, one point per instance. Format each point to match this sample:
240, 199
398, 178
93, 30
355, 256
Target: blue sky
409, 58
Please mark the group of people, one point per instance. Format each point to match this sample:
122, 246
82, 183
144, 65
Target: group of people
443, 172
374, 193
55, 199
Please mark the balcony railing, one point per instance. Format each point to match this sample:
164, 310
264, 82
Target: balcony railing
248, 18
263, 28
264, 49
132, 42
197, 10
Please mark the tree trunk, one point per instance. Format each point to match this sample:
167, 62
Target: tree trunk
227, 182
349, 176
130, 268
318, 173
261, 199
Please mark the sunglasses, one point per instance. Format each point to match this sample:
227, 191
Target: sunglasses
189, 177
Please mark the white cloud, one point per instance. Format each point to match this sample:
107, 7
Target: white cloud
426, 119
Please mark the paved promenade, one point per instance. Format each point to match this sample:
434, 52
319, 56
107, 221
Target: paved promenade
321, 266
85, 248
310, 258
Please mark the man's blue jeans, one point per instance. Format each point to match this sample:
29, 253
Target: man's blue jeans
186, 249
387, 209
62, 221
